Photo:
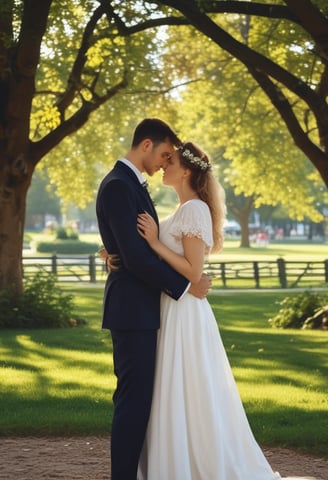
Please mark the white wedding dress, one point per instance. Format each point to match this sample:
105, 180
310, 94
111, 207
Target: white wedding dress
198, 429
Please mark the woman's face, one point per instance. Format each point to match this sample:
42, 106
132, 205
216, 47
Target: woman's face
174, 172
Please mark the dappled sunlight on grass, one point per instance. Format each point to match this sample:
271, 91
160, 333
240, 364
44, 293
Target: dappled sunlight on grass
56, 364
287, 415
271, 375
56, 377
287, 396
55, 381
281, 374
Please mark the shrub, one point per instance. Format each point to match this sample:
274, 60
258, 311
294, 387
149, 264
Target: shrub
69, 247
72, 233
61, 233
43, 304
67, 233
301, 311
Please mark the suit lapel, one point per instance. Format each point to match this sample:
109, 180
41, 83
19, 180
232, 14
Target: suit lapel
150, 202
127, 172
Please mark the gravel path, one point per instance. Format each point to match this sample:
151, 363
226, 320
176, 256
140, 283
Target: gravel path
87, 458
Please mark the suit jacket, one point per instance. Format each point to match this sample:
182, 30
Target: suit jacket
132, 294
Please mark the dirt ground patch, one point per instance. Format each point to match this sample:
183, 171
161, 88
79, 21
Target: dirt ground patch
87, 458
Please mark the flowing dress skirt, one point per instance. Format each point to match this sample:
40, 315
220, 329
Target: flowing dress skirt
198, 429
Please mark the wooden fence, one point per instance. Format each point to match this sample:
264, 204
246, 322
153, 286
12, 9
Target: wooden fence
272, 273
233, 274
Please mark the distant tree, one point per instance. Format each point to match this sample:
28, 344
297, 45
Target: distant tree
41, 200
224, 109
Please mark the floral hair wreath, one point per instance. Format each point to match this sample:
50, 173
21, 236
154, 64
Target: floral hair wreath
193, 159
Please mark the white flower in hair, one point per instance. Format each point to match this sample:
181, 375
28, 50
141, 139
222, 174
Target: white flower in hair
193, 159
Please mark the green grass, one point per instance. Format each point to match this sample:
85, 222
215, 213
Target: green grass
61, 381
289, 250
58, 381
281, 374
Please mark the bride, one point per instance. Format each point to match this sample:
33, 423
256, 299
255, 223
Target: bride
198, 429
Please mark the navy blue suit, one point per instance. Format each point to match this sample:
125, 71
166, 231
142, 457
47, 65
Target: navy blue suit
131, 311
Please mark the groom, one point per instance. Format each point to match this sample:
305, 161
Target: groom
132, 293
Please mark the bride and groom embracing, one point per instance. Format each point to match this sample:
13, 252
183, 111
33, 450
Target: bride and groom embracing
177, 411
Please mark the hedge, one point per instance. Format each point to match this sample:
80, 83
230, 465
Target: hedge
67, 247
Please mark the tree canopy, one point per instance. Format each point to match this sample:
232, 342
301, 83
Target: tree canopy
284, 46
60, 64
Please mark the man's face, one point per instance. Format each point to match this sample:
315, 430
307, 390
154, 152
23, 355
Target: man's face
174, 172
157, 156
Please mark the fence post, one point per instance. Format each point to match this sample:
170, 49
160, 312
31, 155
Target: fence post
282, 272
223, 274
326, 270
256, 274
54, 264
92, 268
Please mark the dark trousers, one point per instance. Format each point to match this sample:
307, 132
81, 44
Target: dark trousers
134, 366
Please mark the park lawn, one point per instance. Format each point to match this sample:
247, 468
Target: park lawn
287, 249
60, 381
282, 375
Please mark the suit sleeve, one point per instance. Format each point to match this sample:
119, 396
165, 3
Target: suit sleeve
120, 210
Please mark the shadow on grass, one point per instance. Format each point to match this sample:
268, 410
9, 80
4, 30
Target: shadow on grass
60, 381
50, 415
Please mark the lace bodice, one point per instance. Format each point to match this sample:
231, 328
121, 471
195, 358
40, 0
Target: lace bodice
192, 219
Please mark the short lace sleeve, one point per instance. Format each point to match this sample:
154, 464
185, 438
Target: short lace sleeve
194, 220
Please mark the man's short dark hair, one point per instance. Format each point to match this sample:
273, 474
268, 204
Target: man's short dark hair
156, 130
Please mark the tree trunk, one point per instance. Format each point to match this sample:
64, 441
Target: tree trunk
20, 59
12, 217
243, 221
242, 213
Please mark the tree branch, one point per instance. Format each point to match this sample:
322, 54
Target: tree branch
281, 103
250, 58
74, 79
74, 123
25, 59
247, 8
248, 205
313, 21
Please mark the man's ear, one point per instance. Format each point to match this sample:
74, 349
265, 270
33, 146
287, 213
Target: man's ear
146, 144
